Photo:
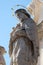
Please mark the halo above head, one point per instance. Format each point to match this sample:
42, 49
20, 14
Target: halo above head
2, 50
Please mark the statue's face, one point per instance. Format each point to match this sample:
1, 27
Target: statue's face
21, 15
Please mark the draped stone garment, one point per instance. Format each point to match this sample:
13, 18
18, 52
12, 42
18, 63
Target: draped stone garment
21, 48
31, 30
23, 52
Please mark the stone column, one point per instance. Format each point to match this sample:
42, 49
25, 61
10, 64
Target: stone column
2, 60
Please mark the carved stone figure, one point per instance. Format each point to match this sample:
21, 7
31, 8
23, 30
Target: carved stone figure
24, 45
2, 60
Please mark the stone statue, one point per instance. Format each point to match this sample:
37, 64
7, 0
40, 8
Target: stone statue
24, 45
2, 60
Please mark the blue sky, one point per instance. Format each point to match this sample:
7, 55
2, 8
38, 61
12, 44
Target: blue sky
7, 21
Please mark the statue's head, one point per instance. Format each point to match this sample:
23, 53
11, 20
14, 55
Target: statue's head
2, 50
22, 14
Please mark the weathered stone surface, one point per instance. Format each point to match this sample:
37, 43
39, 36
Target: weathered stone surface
23, 52
23, 47
2, 60
40, 31
36, 9
40, 35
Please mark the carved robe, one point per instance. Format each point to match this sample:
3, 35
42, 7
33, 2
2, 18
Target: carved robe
22, 48
24, 51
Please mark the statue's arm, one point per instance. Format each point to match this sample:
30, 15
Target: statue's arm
14, 36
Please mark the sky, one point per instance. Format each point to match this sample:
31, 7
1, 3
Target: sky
7, 21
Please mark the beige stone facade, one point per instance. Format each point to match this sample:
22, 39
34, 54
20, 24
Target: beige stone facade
40, 34
36, 9
22, 50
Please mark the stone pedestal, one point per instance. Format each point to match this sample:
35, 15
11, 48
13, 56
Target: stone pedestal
2, 60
